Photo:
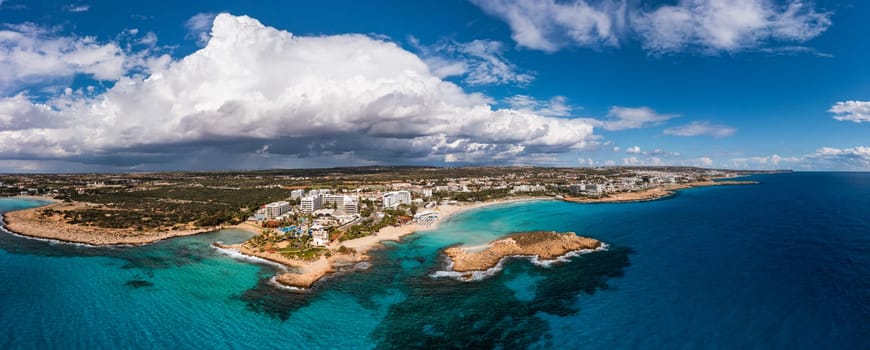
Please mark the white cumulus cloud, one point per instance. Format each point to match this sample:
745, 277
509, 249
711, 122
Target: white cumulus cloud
304, 96
853, 111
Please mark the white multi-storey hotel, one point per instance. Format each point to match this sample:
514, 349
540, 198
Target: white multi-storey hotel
276, 209
351, 206
309, 204
396, 198
336, 200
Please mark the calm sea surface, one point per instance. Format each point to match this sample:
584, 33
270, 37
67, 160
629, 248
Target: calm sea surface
784, 264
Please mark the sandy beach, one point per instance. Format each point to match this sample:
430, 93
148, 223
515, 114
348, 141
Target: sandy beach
395, 233
306, 273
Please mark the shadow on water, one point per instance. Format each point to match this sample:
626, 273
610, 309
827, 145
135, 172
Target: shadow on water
440, 313
444, 313
267, 299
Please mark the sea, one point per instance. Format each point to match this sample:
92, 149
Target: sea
784, 264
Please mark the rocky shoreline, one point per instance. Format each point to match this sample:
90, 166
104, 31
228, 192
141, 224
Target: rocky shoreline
545, 245
301, 274
30, 223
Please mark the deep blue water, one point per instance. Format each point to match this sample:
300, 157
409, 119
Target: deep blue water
782, 264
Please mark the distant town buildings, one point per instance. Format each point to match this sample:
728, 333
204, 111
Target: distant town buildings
529, 188
296, 194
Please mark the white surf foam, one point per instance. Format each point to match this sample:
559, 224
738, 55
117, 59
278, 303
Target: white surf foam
237, 255
478, 275
274, 282
547, 263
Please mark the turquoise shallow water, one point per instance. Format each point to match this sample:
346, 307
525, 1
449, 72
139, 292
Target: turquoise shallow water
784, 264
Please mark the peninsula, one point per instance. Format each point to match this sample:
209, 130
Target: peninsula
652, 193
546, 245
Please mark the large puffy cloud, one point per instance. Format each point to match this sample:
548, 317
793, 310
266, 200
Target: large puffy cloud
853, 111
707, 26
253, 85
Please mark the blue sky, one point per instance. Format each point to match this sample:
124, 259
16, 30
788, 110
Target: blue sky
116, 86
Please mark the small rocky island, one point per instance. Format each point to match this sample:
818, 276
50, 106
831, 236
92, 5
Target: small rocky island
545, 245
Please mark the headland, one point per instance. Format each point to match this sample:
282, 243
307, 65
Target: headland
546, 245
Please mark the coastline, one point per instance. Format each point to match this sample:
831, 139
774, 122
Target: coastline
301, 274
654, 193
28, 223
395, 233
305, 274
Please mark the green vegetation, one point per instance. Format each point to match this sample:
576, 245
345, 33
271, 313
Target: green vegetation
368, 227
160, 201
307, 254
297, 248
164, 208
475, 196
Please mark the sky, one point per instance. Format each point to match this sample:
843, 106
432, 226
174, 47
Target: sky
94, 86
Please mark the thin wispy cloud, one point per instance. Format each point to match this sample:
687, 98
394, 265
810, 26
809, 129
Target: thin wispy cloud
478, 62
555, 107
199, 25
621, 118
76, 7
698, 26
701, 129
715, 26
